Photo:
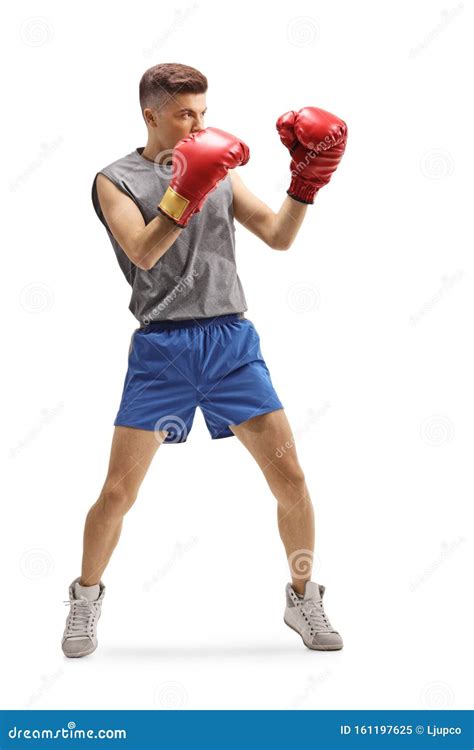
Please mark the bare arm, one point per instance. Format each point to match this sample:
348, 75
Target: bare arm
143, 243
276, 230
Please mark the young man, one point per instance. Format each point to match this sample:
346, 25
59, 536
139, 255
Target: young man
168, 209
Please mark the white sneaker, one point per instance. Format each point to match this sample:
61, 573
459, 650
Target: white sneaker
80, 633
307, 617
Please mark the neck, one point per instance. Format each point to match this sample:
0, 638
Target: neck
152, 151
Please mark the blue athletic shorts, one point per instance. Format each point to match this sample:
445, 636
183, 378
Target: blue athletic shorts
213, 363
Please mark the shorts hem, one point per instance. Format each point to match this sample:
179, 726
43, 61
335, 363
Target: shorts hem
256, 414
219, 437
150, 429
134, 426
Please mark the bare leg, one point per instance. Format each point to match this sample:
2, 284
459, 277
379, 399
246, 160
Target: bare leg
131, 454
268, 438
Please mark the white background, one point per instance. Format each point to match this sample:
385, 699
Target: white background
365, 324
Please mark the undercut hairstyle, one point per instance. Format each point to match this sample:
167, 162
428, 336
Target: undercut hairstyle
159, 83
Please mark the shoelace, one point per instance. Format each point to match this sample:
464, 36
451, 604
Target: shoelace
79, 616
317, 616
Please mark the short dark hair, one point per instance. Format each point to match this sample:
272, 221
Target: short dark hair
159, 83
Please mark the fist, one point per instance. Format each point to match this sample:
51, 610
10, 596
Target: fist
316, 140
200, 161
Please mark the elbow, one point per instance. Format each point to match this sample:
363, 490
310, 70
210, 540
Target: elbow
280, 245
143, 265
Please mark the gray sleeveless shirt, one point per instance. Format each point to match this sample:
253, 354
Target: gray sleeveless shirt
197, 276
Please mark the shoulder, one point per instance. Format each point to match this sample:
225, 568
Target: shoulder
235, 178
105, 185
109, 180
235, 182
118, 169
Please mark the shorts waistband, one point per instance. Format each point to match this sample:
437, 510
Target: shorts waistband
166, 325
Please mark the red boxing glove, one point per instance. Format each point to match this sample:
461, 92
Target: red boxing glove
200, 162
316, 140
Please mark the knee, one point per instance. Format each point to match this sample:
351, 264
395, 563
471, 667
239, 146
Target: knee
292, 477
115, 501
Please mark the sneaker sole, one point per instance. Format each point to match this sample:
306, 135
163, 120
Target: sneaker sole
313, 648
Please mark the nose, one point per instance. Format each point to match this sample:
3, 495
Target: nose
198, 125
